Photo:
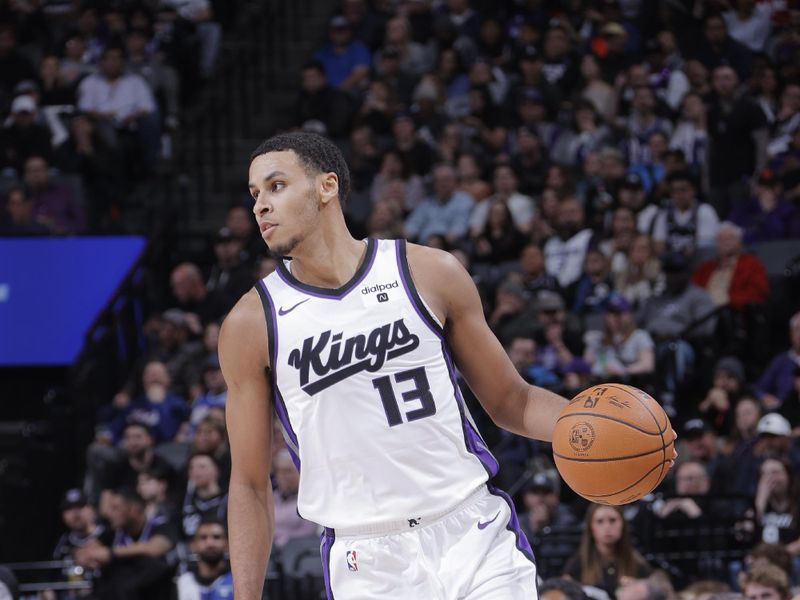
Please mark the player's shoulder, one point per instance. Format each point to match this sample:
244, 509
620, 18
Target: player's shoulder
244, 330
432, 260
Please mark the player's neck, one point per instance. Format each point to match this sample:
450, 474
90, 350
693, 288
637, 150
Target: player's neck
328, 259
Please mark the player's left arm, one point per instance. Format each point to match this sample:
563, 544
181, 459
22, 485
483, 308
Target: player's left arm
512, 403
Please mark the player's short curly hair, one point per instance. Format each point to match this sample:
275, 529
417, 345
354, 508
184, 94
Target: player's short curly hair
317, 154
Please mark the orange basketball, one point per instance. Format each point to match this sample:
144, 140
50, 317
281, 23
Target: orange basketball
613, 444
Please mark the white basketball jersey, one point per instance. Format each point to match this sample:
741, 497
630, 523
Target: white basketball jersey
366, 393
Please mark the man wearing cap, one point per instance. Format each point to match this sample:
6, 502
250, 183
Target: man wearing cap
80, 518
229, 276
346, 61
545, 512
729, 385
700, 444
24, 137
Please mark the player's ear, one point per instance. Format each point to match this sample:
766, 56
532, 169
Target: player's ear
329, 187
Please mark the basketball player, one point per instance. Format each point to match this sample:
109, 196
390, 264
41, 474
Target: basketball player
354, 344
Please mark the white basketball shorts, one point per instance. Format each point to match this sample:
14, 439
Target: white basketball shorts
474, 551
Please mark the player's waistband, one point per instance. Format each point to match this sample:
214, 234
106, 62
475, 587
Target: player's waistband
412, 522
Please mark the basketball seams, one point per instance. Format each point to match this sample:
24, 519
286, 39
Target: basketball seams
625, 489
647, 408
609, 418
581, 459
642, 402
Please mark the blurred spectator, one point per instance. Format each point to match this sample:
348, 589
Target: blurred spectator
345, 61
700, 444
767, 215
19, 220
776, 504
395, 182
691, 134
738, 137
205, 496
600, 94
749, 23
14, 67
512, 312
765, 582
733, 278
564, 253
642, 123
588, 133
55, 91
470, 177
507, 193
54, 205
632, 195
200, 14
24, 137
229, 278
210, 438
318, 102
191, 294
637, 276
415, 59
686, 224
123, 108
499, 239
239, 219
153, 485
717, 48
776, 383
162, 78
606, 553
544, 513
559, 588
529, 161
746, 414
210, 578
620, 350
729, 384
532, 273
589, 294
446, 213
80, 518
561, 67
692, 485
135, 565
158, 406
121, 469
521, 350
419, 155
786, 121
214, 394
288, 523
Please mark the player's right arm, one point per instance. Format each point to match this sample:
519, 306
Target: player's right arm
244, 358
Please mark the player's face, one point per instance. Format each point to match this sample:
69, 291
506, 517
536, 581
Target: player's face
756, 591
606, 526
286, 201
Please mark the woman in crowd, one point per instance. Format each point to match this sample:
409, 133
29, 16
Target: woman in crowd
639, 276
500, 240
606, 553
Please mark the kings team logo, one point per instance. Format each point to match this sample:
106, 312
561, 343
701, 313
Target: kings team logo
352, 562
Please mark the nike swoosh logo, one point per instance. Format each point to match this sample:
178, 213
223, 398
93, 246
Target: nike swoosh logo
282, 312
485, 524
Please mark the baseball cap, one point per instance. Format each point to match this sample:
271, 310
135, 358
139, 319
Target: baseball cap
175, 316
613, 30
224, 235
549, 301
632, 181
618, 303
339, 22
732, 366
73, 498
23, 104
695, 427
542, 483
774, 424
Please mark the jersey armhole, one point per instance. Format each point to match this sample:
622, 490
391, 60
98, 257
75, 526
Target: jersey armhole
419, 303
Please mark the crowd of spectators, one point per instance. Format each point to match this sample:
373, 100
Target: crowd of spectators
606, 170
90, 94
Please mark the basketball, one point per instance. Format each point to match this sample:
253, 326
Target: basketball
613, 444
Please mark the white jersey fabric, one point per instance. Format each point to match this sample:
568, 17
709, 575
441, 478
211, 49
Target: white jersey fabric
366, 393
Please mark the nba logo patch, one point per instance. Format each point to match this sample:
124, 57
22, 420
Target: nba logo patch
351, 560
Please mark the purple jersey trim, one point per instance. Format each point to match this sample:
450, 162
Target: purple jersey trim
513, 525
329, 293
277, 398
473, 440
328, 537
